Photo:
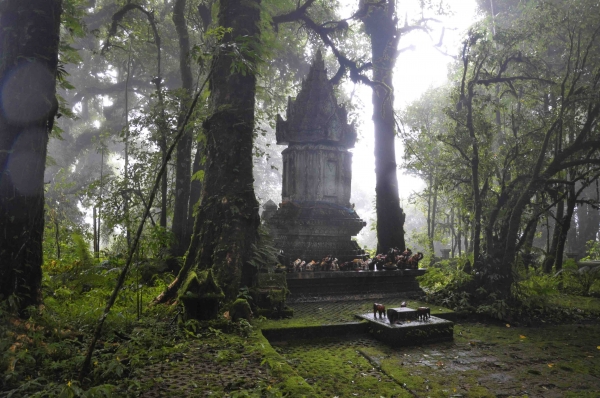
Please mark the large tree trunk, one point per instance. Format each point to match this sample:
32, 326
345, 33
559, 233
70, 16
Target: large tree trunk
195, 186
528, 256
588, 219
565, 225
184, 147
380, 25
551, 254
477, 202
226, 225
432, 221
29, 38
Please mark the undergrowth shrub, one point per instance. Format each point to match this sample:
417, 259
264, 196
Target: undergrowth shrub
445, 274
537, 284
445, 283
534, 296
579, 280
537, 296
41, 356
593, 250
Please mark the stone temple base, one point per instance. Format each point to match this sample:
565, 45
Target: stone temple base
311, 286
312, 230
407, 333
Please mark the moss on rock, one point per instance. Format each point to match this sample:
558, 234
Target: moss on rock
200, 296
240, 309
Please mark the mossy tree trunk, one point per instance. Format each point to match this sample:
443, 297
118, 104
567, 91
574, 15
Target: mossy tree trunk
184, 146
226, 224
29, 39
195, 187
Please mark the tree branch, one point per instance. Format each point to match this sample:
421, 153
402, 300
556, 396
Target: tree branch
300, 15
487, 82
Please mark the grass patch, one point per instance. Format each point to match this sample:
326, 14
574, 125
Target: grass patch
585, 304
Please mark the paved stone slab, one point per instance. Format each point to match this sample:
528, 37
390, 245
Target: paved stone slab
410, 332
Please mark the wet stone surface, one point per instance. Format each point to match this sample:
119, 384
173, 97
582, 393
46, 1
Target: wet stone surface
402, 324
483, 361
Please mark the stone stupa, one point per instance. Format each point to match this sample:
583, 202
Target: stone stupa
315, 218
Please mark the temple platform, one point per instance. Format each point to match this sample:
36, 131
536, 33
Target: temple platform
348, 319
318, 286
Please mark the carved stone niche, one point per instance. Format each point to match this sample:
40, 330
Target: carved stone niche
315, 218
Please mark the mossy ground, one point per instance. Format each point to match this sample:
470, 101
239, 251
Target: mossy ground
496, 360
220, 364
486, 359
578, 303
337, 368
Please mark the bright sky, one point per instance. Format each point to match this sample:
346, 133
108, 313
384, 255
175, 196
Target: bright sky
415, 72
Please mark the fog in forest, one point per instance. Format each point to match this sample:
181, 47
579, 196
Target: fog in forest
185, 182
111, 88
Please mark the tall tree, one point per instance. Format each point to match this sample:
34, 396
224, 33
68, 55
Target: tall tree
29, 39
184, 146
423, 153
226, 225
161, 117
524, 118
380, 22
380, 25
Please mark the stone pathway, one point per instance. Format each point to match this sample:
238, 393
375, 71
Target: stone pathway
205, 370
483, 361
339, 368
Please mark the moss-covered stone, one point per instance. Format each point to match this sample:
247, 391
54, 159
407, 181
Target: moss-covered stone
200, 296
289, 383
240, 309
269, 296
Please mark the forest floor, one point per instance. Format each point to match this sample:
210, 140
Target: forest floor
154, 357
486, 359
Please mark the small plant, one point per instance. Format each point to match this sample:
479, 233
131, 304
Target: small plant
264, 254
539, 285
244, 328
593, 250
582, 279
445, 274
498, 309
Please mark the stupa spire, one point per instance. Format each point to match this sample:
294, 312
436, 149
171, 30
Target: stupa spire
314, 116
